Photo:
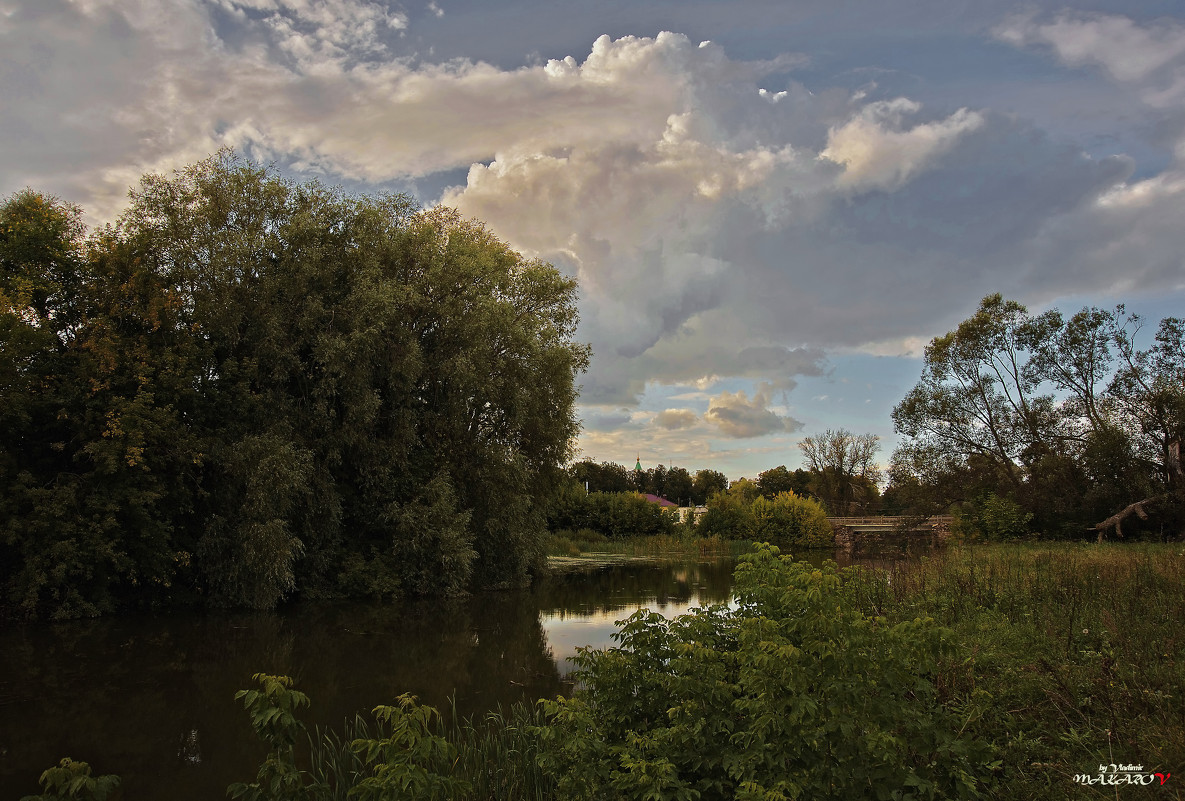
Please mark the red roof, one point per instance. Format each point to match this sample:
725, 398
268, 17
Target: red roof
659, 501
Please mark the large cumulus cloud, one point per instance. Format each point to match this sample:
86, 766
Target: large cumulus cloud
725, 219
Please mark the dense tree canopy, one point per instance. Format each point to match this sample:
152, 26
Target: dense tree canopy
1066, 420
248, 386
674, 483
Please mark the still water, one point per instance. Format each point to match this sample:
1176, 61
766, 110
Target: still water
151, 698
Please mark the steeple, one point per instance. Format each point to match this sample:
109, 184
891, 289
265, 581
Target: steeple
638, 466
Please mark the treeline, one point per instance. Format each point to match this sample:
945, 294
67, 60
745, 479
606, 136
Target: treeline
743, 511
248, 387
1042, 424
676, 484
843, 477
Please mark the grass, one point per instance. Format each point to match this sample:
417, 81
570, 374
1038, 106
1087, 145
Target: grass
496, 755
1073, 656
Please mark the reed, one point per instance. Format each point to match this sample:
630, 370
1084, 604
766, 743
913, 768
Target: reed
1073, 653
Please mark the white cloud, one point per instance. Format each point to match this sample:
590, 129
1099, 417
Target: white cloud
879, 152
1128, 51
1152, 56
719, 228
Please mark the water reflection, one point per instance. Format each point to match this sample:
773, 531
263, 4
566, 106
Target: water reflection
582, 610
151, 697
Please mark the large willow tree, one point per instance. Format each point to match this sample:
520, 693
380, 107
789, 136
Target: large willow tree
248, 386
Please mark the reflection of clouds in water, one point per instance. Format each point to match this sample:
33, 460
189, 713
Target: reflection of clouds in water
566, 631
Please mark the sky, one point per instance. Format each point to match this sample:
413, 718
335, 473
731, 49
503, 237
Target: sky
771, 207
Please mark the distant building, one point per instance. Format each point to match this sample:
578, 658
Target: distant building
663, 502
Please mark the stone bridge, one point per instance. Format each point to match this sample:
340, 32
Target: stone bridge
870, 533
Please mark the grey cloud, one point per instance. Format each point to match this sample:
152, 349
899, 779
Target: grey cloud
996, 186
703, 350
676, 419
740, 418
606, 422
708, 235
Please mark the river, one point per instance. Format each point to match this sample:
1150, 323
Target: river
151, 697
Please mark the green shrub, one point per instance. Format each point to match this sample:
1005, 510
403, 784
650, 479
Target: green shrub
72, 781
789, 521
995, 518
729, 516
614, 515
795, 694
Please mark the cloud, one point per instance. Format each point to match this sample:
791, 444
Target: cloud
735, 416
879, 152
1135, 224
725, 220
675, 419
311, 31
1128, 51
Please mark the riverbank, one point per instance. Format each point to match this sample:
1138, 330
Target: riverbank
1059, 658
1071, 655
588, 545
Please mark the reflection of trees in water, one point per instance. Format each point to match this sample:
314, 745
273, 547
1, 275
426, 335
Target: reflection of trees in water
619, 587
152, 698
483, 651
138, 696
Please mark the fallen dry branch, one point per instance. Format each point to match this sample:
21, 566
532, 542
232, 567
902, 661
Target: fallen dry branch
1115, 520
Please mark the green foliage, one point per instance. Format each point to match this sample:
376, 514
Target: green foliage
789, 521
272, 710
994, 518
603, 477
1068, 418
615, 515
72, 781
796, 694
706, 484
778, 479
406, 752
729, 515
1068, 660
249, 387
407, 760
785, 520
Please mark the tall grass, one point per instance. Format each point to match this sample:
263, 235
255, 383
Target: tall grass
1073, 655
496, 755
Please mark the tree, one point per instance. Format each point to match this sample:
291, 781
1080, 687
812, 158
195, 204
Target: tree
603, 477
1068, 418
706, 484
249, 386
845, 469
789, 521
679, 486
779, 479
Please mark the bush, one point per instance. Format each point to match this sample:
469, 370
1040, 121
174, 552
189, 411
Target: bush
72, 781
788, 520
616, 515
994, 518
795, 694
